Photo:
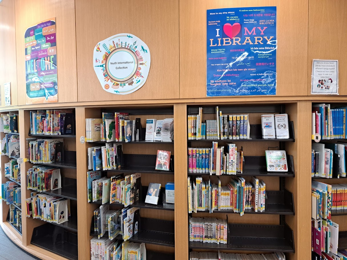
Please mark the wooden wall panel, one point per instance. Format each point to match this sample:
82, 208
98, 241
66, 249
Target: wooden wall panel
31, 12
8, 50
328, 37
155, 22
292, 35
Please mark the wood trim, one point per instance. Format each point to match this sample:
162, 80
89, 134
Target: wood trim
181, 205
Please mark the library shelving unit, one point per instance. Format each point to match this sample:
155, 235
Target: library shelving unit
337, 217
156, 222
58, 240
6, 208
267, 231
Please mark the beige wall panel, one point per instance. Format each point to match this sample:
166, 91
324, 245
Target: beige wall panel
155, 22
292, 35
31, 12
327, 37
8, 50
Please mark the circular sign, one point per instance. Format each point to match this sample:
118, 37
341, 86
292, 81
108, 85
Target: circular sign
122, 63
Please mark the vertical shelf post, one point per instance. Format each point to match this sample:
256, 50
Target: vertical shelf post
181, 210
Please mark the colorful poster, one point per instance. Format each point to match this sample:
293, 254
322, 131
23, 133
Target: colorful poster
241, 51
122, 63
325, 74
41, 63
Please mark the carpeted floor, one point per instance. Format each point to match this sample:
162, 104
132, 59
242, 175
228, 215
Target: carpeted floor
9, 251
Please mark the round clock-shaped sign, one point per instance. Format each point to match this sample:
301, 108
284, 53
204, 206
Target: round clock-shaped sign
122, 63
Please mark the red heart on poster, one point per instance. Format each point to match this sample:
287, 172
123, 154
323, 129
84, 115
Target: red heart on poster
232, 30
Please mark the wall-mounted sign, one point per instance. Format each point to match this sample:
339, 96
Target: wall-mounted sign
41, 63
7, 94
122, 63
241, 51
325, 77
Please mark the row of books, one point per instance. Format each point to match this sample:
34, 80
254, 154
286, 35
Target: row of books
232, 256
108, 157
52, 122
238, 196
105, 249
48, 208
12, 170
11, 193
123, 222
117, 127
41, 178
325, 238
15, 217
216, 160
328, 123
46, 150
224, 127
338, 200
10, 145
9, 123
328, 160
208, 230
117, 189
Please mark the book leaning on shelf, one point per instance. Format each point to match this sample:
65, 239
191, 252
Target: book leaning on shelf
238, 196
228, 256
216, 160
48, 208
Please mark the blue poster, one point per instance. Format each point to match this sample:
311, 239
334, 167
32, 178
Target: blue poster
241, 51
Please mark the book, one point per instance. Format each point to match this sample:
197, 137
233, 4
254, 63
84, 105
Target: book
282, 126
93, 128
276, 161
128, 131
153, 192
163, 160
91, 176
158, 129
150, 128
167, 132
109, 127
170, 192
268, 126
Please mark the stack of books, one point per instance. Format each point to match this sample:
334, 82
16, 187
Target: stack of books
10, 145
11, 193
9, 123
12, 170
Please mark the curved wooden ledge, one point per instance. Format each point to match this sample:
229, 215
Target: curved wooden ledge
31, 249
